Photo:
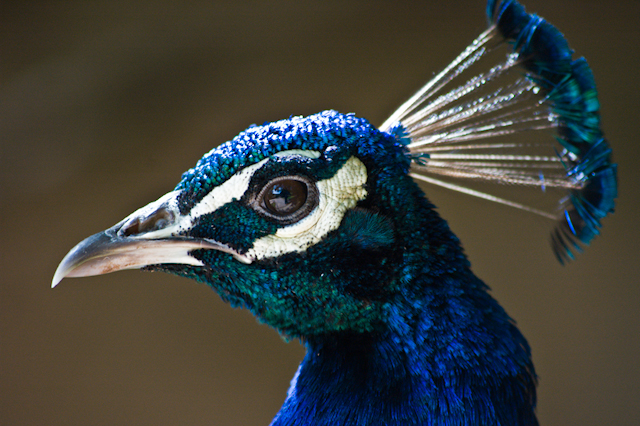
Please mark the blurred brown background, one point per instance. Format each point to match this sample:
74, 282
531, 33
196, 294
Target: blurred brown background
103, 104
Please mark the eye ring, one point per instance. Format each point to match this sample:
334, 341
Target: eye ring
287, 199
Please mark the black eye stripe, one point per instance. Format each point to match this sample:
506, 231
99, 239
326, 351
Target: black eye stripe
286, 166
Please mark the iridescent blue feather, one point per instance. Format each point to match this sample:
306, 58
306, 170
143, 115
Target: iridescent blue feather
570, 88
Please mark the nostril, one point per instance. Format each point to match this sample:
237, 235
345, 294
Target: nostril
130, 228
159, 219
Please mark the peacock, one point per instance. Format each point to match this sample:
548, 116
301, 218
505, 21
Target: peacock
317, 225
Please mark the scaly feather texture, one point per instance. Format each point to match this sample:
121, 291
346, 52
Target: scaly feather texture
317, 226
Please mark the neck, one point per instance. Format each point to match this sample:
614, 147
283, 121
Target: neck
453, 358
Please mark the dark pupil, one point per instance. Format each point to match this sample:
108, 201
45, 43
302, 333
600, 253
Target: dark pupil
285, 197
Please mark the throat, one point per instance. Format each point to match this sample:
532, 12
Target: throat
424, 370
349, 379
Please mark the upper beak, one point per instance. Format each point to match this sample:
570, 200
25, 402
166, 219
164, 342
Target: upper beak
107, 252
142, 239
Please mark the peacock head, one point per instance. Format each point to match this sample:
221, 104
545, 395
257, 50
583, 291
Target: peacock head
307, 222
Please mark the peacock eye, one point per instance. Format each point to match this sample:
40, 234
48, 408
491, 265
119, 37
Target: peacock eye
288, 198
284, 197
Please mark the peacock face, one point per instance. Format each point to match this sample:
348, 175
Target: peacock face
293, 220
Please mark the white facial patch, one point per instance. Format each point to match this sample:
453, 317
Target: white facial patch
337, 195
233, 188
237, 185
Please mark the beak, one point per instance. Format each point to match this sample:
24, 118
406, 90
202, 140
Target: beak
144, 238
